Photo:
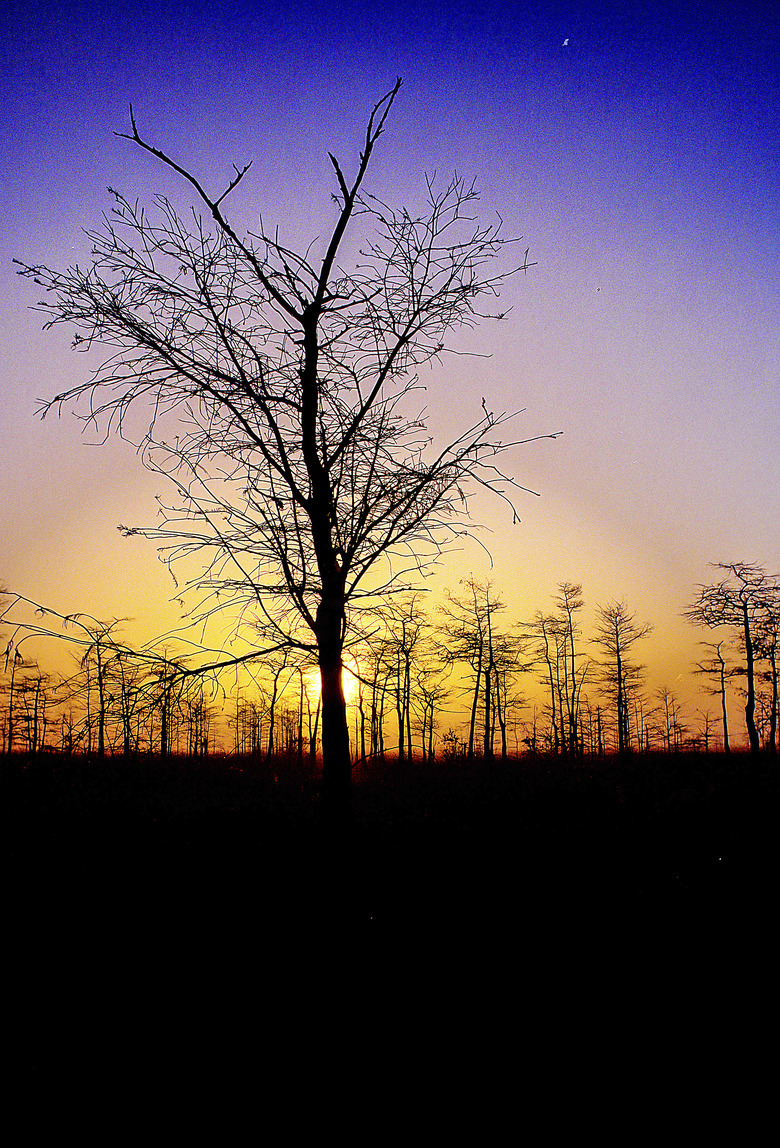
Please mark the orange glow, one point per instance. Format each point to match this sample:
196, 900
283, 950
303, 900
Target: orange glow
350, 683
348, 679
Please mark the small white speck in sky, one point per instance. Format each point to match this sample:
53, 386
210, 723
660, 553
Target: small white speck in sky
565, 42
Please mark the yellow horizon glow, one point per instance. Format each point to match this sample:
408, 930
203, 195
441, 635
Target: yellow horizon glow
349, 682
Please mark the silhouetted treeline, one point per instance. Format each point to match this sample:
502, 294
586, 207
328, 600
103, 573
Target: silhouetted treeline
460, 680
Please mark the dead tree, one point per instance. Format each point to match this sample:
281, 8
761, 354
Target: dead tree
714, 667
277, 388
556, 650
616, 634
473, 637
746, 600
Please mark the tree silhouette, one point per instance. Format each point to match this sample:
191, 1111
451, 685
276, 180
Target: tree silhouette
115, 685
671, 729
406, 646
714, 667
556, 638
616, 634
472, 638
766, 642
746, 599
276, 391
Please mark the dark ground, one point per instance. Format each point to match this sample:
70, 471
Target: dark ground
205, 891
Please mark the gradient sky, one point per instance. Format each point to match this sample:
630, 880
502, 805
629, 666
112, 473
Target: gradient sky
633, 145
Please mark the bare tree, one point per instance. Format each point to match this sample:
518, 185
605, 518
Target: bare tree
431, 692
672, 729
278, 667
569, 601
407, 645
29, 704
379, 664
248, 723
556, 638
746, 600
545, 630
473, 638
616, 634
13, 662
98, 665
765, 642
714, 667
114, 686
705, 728
276, 390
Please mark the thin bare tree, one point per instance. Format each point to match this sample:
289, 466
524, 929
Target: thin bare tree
564, 669
715, 668
617, 633
472, 638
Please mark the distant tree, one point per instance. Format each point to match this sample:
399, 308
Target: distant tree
116, 689
617, 633
545, 629
473, 637
714, 667
377, 658
765, 642
569, 601
275, 391
29, 696
277, 668
99, 666
564, 670
672, 729
745, 599
247, 721
14, 661
706, 728
407, 646
508, 665
198, 716
430, 693
128, 675
594, 729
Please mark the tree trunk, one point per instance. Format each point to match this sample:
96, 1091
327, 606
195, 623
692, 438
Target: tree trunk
399, 713
501, 715
475, 702
102, 705
553, 717
487, 742
11, 707
408, 707
336, 763
772, 744
750, 704
622, 749
313, 726
300, 722
725, 719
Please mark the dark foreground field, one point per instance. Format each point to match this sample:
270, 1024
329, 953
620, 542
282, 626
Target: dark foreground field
136, 889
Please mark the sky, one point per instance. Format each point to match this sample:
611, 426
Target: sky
634, 146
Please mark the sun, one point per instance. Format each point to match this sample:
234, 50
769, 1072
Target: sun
349, 682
